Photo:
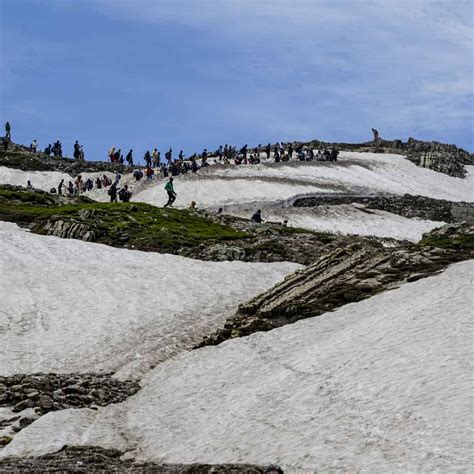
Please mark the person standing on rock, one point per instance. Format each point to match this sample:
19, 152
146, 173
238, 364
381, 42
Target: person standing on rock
268, 150
8, 136
129, 158
77, 151
155, 158
171, 193
257, 217
111, 154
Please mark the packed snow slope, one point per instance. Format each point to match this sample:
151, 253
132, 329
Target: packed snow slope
271, 187
383, 385
363, 173
72, 306
345, 219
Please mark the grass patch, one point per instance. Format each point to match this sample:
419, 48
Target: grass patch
461, 242
137, 225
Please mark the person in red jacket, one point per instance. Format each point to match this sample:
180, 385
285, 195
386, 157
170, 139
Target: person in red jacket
149, 173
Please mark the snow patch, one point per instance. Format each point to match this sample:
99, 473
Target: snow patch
72, 306
383, 385
345, 219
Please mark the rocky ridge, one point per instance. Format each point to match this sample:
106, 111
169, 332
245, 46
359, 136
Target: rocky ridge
347, 275
22, 158
409, 206
441, 157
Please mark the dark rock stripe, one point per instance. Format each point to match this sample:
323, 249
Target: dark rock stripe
94, 459
409, 206
344, 276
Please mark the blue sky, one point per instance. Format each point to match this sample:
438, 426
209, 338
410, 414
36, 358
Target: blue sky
199, 73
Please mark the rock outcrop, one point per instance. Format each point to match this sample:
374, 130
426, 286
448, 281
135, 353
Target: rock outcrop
21, 157
448, 159
409, 206
70, 229
347, 275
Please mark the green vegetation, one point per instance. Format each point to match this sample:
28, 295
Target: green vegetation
136, 225
461, 242
4, 440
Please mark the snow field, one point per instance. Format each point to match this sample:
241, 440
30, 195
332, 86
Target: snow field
72, 306
382, 385
372, 172
344, 219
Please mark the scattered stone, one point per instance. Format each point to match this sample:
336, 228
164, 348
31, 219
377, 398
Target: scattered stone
50, 392
93, 459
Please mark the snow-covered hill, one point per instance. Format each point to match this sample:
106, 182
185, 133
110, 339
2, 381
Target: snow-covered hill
270, 186
364, 173
383, 385
71, 306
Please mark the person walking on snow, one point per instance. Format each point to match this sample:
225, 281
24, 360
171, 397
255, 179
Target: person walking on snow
171, 193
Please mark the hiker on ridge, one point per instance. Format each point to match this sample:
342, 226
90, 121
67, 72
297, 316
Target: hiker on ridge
77, 151
7, 131
376, 135
268, 150
129, 158
171, 193
156, 161
257, 217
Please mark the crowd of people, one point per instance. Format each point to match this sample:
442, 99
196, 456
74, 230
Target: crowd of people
169, 167
80, 185
227, 154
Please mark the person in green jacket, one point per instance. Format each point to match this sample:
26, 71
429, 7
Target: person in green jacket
171, 194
